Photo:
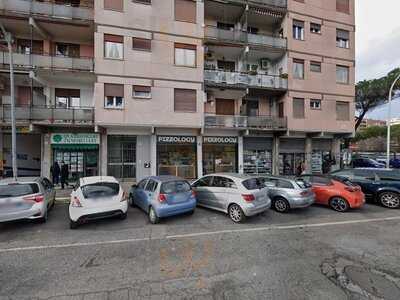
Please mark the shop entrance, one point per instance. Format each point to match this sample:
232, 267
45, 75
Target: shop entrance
219, 154
257, 161
289, 163
81, 163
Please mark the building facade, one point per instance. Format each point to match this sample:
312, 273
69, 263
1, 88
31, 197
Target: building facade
183, 87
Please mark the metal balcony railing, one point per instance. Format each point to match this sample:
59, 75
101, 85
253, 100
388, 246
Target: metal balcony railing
270, 3
50, 8
243, 37
245, 122
49, 62
237, 79
47, 114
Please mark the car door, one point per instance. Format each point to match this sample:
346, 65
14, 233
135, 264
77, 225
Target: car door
149, 192
271, 184
219, 189
202, 187
366, 179
323, 189
139, 195
46, 192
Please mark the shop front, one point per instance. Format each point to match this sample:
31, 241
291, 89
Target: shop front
322, 157
177, 156
220, 154
79, 151
291, 156
257, 155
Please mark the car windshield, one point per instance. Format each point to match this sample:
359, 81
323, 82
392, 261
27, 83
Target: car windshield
303, 184
172, 187
18, 190
253, 184
100, 190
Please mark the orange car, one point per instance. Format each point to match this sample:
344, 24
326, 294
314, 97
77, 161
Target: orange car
340, 195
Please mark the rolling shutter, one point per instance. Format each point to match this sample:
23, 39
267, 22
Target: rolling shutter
185, 100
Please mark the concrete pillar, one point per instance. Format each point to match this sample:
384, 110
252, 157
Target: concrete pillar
308, 155
336, 153
199, 156
46, 157
103, 155
275, 155
240, 154
153, 154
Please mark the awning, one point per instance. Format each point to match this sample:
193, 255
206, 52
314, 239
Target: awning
75, 147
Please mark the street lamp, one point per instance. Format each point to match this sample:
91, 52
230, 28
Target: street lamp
8, 39
389, 119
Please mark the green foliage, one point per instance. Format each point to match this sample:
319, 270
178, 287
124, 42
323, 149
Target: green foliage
377, 131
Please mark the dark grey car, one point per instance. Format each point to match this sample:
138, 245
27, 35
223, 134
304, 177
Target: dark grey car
287, 193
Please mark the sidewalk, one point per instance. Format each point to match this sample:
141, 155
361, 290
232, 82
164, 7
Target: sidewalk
63, 195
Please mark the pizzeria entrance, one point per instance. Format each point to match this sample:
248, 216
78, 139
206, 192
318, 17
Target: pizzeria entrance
220, 154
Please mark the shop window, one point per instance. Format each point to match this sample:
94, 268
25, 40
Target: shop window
343, 6
68, 98
117, 5
140, 91
298, 108
257, 161
141, 44
185, 11
342, 74
315, 104
67, 50
185, 55
298, 68
342, 38
113, 95
298, 30
342, 111
113, 46
315, 66
185, 100
121, 156
219, 158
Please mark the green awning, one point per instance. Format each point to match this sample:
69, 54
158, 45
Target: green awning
75, 147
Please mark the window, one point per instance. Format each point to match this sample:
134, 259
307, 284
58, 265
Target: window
114, 95
315, 104
18, 190
117, 5
185, 11
29, 47
100, 190
253, 184
342, 111
298, 69
225, 26
343, 6
315, 66
140, 91
113, 46
342, 74
205, 181
173, 187
315, 28
185, 100
298, 108
66, 98
185, 55
284, 184
141, 44
342, 38
151, 186
252, 30
142, 1
223, 182
298, 30
67, 50
142, 184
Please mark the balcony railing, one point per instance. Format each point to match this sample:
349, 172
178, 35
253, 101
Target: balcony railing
48, 114
243, 37
49, 8
49, 62
245, 122
236, 79
276, 3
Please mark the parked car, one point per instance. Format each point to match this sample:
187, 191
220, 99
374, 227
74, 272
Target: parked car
363, 162
339, 195
163, 196
96, 197
287, 193
379, 185
26, 198
393, 162
238, 195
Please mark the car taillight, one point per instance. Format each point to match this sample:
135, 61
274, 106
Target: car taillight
248, 198
162, 198
36, 198
76, 202
193, 193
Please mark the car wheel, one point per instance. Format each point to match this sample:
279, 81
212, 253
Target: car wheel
73, 224
339, 204
236, 213
123, 216
390, 199
154, 219
281, 205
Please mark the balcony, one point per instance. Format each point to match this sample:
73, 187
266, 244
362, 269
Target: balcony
213, 33
49, 62
47, 115
282, 4
48, 8
245, 122
244, 80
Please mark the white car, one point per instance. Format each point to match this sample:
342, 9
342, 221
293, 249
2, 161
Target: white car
95, 198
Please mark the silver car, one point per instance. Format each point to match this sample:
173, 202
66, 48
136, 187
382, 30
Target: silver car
238, 195
287, 193
26, 198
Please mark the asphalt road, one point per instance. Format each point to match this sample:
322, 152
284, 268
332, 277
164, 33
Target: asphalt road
313, 253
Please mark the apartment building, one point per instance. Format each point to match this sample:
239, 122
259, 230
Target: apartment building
189, 87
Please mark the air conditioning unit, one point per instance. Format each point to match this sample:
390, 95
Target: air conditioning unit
265, 64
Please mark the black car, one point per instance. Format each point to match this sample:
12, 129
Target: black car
379, 185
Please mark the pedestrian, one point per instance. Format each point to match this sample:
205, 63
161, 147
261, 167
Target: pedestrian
64, 174
55, 172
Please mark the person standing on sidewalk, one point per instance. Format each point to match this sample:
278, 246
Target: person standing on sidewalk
64, 174
55, 172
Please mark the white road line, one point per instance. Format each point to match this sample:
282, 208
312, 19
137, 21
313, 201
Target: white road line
190, 235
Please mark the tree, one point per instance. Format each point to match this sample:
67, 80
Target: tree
372, 93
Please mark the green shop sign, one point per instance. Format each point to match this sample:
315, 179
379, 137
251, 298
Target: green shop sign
75, 138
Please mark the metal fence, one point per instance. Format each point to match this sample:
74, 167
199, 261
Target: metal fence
245, 122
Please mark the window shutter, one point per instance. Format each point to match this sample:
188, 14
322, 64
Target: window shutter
342, 34
185, 100
298, 23
114, 90
298, 108
113, 38
114, 4
185, 46
142, 88
139, 43
185, 11
68, 93
343, 6
342, 111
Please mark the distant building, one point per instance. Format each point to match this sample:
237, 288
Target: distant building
365, 123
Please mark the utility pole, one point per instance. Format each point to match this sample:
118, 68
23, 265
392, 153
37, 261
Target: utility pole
9, 40
389, 119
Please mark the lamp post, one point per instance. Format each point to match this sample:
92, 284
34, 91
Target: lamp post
388, 123
8, 39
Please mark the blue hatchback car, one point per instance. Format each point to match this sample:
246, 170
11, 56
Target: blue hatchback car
163, 196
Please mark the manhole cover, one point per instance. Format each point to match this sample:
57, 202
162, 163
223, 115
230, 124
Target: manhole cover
374, 283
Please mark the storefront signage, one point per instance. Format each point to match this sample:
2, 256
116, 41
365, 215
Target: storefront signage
220, 140
163, 139
20, 129
75, 138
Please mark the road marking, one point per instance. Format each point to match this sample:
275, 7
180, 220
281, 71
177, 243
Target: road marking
198, 234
